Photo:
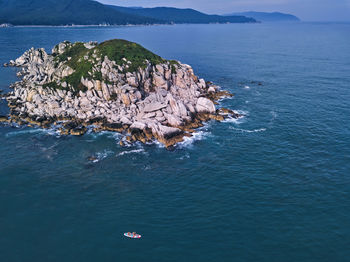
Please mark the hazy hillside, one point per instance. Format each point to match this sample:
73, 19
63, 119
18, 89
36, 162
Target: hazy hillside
89, 12
269, 17
176, 15
63, 12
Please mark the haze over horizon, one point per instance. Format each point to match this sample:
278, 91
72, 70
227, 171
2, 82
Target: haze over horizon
306, 10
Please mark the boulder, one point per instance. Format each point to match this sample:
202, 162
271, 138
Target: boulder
211, 89
125, 99
164, 132
98, 85
31, 94
154, 107
204, 105
201, 83
168, 132
105, 91
173, 120
159, 81
132, 81
149, 115
125, 120
3, 118
138, 125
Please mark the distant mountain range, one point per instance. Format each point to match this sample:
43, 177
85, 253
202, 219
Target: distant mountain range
89, 12
180, 16
268, 17
64, 12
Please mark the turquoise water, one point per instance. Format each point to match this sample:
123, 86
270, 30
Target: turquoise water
272, 186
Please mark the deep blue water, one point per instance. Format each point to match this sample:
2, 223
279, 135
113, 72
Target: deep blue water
273, 186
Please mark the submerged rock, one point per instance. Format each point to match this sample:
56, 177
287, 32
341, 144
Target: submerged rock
3, 118
115, 85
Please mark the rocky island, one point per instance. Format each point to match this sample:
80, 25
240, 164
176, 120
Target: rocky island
116, 85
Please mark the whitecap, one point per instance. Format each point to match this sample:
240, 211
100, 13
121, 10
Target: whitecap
141, 150
247, 87
196, 136
156, 142
234, 120
242, 112
239, 120
102, 155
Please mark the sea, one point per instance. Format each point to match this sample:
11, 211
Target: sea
273, 185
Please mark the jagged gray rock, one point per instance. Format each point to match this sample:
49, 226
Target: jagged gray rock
204, 105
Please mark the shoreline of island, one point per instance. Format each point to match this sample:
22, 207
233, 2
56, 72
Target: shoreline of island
116, 86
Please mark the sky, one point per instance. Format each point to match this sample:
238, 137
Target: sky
307, 10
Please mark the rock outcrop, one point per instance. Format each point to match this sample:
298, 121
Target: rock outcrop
116, 85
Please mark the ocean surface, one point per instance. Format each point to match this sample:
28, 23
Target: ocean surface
272, 186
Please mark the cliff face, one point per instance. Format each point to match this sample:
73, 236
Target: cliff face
116, 85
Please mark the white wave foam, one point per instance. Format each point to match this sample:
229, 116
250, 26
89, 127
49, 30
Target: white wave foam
249, 131
196, 136
247, 87
102, 155
109, 134
141, 150
231, 119
238, 120
242, 112
157, 143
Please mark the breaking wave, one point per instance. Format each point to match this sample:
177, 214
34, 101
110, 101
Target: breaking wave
196, 136
238, 120
102, 155
135, 151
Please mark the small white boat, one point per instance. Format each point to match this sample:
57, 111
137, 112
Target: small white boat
132, 235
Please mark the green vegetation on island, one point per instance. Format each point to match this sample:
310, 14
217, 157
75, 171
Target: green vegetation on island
85, 61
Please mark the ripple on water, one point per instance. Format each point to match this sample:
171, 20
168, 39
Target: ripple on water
258, 130
26, 131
